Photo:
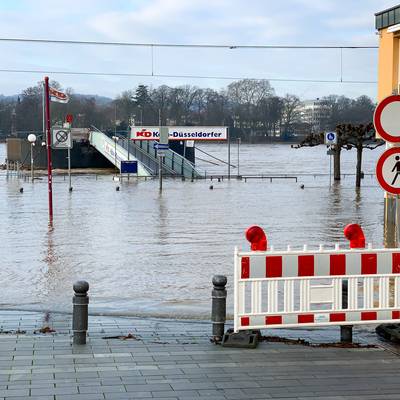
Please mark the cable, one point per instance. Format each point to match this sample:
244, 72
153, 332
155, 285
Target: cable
215, 46
231, 78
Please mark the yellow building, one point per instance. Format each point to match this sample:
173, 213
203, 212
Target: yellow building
387, 23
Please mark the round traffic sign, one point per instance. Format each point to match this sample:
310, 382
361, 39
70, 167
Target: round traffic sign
61, 136
330, 136
388, 170
387, 119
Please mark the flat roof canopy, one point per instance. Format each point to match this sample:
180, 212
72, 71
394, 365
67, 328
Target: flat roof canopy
386, 18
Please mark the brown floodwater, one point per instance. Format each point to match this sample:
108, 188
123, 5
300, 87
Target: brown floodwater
149, 254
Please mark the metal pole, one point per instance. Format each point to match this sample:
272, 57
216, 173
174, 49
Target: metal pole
218, 307
32, 162
160, 177
80, 313
229, 155
238, 156
346, 331
397, 232
69, 169
44, 109
48, 144
330, 167
128, 143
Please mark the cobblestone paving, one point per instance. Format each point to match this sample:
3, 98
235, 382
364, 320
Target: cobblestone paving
165, 359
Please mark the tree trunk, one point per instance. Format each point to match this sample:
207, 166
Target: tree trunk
336, 163
358, 167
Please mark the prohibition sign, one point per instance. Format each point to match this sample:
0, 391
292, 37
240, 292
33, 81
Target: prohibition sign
62, 136
387, 119
388, 170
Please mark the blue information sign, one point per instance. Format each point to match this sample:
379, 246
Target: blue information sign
129, 167
161, 146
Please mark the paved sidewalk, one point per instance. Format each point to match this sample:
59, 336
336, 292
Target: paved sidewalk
168, 359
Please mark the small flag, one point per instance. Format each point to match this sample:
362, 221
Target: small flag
57, 96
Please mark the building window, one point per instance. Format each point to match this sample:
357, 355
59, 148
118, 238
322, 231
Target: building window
397, 16
391, 17
385, 19
378, 22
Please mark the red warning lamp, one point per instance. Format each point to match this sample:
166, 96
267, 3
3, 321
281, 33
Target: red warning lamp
257, 238
69, 118
355, 234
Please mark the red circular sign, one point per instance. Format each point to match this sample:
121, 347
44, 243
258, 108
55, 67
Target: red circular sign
383, 112
388, 171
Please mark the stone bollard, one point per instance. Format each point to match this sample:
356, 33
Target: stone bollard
218, 307
80, 303
346, 331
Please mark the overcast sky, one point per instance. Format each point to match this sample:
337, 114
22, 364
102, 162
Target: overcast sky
226, 22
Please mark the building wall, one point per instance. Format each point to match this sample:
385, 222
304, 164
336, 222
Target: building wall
388, 64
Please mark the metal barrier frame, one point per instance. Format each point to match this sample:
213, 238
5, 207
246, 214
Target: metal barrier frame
378, 270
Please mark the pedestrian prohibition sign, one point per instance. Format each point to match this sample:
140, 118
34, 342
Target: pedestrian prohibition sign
388, 170
386, 119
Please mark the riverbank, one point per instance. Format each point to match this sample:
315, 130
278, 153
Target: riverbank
131, 358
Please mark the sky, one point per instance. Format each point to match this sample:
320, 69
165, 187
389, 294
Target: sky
218, 22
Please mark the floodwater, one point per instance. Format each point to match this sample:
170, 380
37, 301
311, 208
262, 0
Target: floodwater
149, 254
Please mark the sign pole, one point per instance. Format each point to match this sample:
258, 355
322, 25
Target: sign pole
69, 169
229, 155
330, 167
44, 110
48, 145
160, 177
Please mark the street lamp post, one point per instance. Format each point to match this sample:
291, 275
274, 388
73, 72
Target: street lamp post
32, 140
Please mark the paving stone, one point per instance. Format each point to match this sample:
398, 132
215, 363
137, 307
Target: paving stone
174, 360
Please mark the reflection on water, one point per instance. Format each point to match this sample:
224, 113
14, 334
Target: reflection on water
143, 253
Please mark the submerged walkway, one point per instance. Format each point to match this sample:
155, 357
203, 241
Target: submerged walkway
165, 359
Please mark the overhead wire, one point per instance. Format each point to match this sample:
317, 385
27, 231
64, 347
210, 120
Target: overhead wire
231, 78
216, 46
185, 76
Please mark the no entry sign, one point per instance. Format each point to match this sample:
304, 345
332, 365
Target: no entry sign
388, 170
387, 119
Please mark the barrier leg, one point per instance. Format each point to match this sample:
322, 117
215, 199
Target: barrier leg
346, 331
80, 303
218, 307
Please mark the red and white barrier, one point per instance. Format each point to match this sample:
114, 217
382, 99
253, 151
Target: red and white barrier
304, 288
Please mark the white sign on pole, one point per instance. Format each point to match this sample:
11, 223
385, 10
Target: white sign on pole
330, 138
388, 170
61, 138
386, 119
180, 132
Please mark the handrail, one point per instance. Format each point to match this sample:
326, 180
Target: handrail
172, 163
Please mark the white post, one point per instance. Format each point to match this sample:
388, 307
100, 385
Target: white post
32, 162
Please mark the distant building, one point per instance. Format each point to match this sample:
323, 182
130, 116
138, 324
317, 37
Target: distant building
315, 114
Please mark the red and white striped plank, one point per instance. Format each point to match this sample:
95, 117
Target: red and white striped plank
317, 318
337, 263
